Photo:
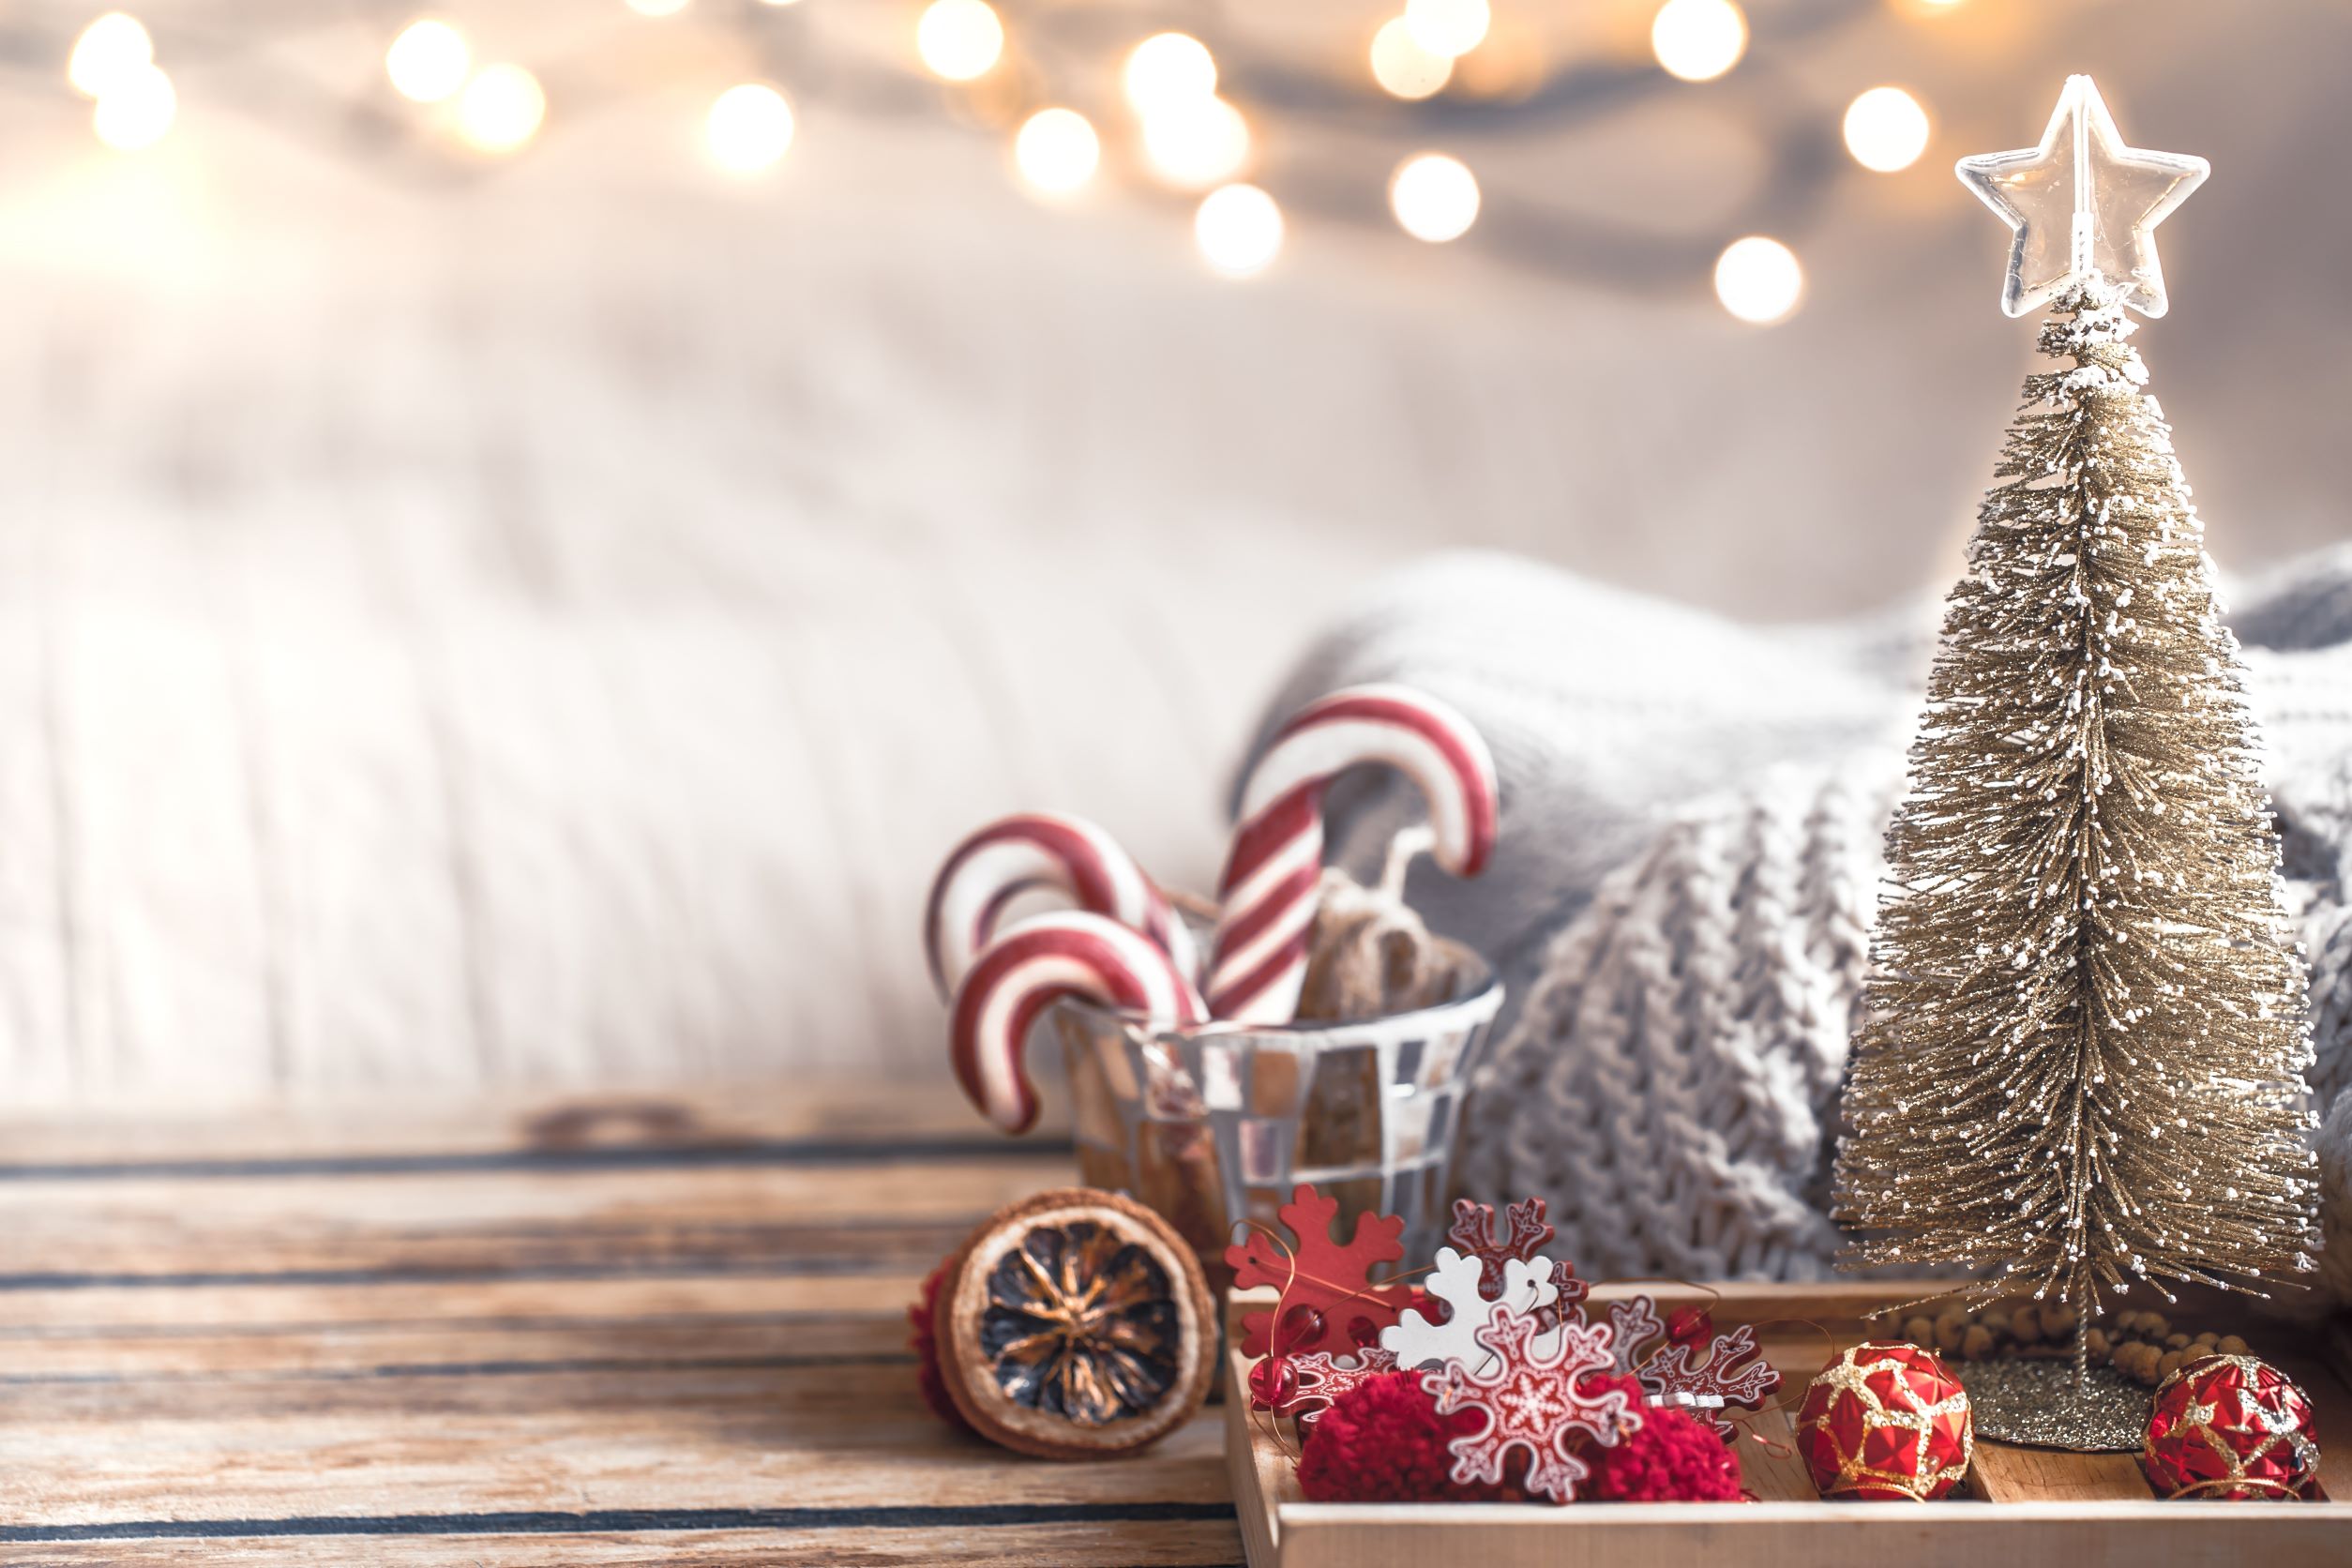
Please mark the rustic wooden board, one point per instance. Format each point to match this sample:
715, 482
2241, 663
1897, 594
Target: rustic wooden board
678, 1337
2081, 1511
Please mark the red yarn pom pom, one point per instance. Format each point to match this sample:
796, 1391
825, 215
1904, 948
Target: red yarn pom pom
1674, 1458
1383, 1442
922, 1314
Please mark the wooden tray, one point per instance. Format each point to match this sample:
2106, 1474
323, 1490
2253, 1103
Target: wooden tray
2026, 1506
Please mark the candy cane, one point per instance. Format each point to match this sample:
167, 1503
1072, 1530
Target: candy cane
1036, 964
1267, 895
1039, 848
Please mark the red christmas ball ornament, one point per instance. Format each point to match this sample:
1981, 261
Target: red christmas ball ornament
1673, 1456
1299, 1327
1383, 1442
2232, 1427
1886, 1420
1690, 1326
1273, 1382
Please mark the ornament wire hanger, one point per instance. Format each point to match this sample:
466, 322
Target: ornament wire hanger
2082, 206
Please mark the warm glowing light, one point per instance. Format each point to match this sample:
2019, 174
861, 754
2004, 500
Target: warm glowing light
1196, 145
427, 62
1057, 151
502, 108
1434, 197
110, 51
959, 39
136, 111
658, 8
1886, 129
1170, 70
1698, 39
1403, 68
748, 128
1759, 279
1447, 27
1238, 229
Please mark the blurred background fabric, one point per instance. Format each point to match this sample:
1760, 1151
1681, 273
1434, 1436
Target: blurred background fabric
542, 619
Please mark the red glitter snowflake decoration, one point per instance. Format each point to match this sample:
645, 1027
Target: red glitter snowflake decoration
1328, 1303
1320, 1379
1526, 1235
1540, 1404
1709, 1388
1675, 1376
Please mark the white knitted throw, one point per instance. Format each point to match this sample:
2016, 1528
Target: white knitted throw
1681, 898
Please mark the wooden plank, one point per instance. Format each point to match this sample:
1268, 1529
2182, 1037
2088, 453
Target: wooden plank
810, 1218
739, 1438
1117, 1542
2007, 1472
505, 1129
236, 1350
618, 1331
293, 1305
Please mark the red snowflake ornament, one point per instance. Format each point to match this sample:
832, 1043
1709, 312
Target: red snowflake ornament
1328, 1303
1320, 1379
1680, 1374
1632, 1323
1540, 1403
1526, 1235
1674, 1378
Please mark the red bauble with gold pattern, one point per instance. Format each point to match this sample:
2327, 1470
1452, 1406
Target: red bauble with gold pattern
1883, 1420
2230, 1426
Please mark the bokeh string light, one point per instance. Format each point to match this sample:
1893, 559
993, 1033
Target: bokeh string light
108, 53
1448, 28
1057, 152
961, 40
500, 109
1239, 230
1194, 145
1886, 129
1402, 67
427, 62
1759, 279
1434, 197
1481, 73
135, 110
1698, 40
1169, 71
750, 127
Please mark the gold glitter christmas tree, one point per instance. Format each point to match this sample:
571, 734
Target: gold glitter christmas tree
2082, 1058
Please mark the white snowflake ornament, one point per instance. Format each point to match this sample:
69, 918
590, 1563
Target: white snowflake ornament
1416, 1341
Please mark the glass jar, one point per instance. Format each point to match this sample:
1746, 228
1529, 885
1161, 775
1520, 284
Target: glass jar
1214, 1125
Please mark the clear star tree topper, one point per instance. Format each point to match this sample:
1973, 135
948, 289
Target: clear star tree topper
2081, 1056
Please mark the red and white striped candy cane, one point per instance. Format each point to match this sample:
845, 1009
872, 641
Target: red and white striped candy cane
1015, 854
1267, 895
1036, 964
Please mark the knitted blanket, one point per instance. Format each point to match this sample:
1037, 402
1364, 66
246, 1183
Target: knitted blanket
1681, 898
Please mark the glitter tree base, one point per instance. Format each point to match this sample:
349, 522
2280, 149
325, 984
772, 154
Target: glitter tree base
2033, 1401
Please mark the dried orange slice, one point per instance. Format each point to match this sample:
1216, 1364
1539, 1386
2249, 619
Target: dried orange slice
1076, 1324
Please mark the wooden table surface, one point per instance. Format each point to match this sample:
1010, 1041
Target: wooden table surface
597, 1330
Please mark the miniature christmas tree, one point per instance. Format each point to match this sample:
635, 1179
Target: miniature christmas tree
2081, 1064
